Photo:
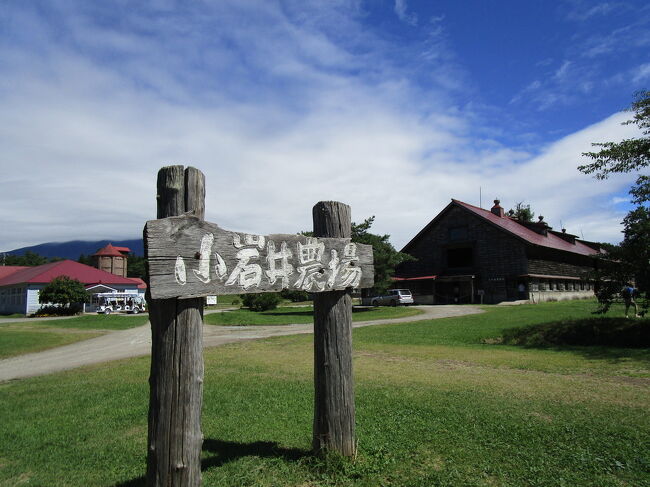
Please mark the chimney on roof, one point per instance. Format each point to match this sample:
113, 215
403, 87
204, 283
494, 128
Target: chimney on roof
539, 226
497, 210
566, 236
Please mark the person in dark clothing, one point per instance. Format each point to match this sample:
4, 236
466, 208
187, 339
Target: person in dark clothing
629, 293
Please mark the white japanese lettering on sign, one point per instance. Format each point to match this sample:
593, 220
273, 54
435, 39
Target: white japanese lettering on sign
190, 258
313, 274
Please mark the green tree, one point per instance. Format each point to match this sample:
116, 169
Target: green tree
386, 258
64, 292
628, 155
29, 258
137, 266
522, 212
632, 257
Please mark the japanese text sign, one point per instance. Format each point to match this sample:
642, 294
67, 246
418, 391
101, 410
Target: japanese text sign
188, 258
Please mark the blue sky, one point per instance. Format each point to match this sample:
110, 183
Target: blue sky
393, 107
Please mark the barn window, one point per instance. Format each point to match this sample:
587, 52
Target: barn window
460, 257
458, 233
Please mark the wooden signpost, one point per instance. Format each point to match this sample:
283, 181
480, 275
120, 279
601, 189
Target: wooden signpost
189, 258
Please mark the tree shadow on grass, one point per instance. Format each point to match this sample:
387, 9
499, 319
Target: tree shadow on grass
227, 451
289, 313
611, 339
363, 309
355, 309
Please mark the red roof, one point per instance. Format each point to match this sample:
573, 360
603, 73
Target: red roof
110, 251
43, 274
7, 270
515, 228
421, 278
124, 250
141, 284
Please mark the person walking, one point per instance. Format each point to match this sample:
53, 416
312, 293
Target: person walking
629, 293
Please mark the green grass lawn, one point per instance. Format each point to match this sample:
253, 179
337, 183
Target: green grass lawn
16, 341
13, 315
439, 403
87, 322
36, 335
296, 315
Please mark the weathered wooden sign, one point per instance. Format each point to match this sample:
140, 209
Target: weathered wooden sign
191, 258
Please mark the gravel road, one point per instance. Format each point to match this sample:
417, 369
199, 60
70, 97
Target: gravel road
136, 342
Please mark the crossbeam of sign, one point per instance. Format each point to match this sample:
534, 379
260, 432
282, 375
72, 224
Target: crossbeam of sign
189, 258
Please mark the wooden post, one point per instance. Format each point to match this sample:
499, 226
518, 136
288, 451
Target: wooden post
333, 380
176, 380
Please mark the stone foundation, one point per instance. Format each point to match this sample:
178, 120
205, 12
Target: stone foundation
542, 296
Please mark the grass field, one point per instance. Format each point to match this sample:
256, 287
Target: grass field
17, 341
296, 315
37, 335
87, 322
439, 403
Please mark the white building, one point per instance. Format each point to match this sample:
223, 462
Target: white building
20, 286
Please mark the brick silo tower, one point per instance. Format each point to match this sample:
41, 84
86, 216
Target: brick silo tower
111, 259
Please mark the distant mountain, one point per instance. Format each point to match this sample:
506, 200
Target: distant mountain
72, 250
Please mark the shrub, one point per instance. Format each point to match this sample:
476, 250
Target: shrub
52, 310
261, 302
294, 296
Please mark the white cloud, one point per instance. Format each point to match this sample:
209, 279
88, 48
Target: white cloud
563, 71
276, 122
583, 11
618, 200
401, 9
642, 73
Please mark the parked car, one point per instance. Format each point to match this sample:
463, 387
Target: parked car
393, 298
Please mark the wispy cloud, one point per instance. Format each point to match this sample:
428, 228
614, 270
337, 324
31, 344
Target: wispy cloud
619, 40
641, 74
401, 9
584, 10
618, 200
280, 111
606, 40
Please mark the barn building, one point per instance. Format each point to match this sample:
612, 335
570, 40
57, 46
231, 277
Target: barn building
467, 254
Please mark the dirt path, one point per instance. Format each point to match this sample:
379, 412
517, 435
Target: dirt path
136, 342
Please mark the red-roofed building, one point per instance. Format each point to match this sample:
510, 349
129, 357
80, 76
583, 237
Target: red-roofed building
20, 286
468, 254
7, 270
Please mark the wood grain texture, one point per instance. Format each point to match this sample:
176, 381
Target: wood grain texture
176, 379
334, 410
188, 257
194, 192
170, 199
